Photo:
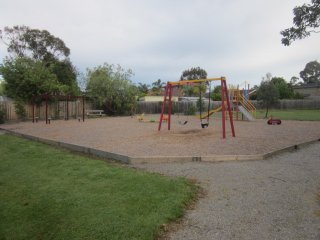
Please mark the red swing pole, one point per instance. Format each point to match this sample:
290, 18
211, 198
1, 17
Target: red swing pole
170, 107
223, 108
229, 110
163, 106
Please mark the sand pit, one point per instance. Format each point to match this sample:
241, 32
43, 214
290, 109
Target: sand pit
127, 136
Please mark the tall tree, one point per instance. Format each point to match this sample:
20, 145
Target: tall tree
110, 88
267, 95
23, 41
284, 89
41, 47
25, 78
157, 87
311, 72
194, 73
306, 20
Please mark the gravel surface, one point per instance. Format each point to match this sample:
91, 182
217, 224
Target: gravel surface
128, 136
269, 199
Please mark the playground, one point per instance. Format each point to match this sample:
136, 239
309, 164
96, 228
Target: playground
127, 136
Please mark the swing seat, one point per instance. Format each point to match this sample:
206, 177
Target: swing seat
183, 123
204, 125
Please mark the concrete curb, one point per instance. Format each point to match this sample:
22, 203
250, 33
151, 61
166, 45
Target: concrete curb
158, 159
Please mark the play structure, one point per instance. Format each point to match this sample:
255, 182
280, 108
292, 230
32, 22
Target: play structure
240, 102
225, 103
62, 103
273, 121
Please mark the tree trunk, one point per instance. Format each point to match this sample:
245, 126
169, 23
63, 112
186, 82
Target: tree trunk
266, 116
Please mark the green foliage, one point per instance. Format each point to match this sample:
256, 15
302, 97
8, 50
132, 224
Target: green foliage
267, 95
216, 93
26, 78
292, 114
2, 87
190, 110
306, 20
284, 89
2, 116
110, 88
49, 193
311, 72
36, 59
20, 109
25, 42
192, 74
157, 87
143, 89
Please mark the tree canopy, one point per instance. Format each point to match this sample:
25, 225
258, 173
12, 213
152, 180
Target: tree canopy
192, 74
25, 78
23, 41
306, 20
311, 72
267, 95
38, 58
110, 88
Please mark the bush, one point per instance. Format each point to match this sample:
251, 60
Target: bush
20, 110
2, 116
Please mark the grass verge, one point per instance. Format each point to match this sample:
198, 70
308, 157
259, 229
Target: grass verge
49, 193
301, 115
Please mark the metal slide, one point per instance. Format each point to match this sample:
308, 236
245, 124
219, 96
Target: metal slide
247, 114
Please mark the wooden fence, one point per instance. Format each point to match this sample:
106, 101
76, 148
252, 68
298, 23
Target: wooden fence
56, 110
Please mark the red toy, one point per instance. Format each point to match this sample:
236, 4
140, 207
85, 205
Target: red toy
272, 121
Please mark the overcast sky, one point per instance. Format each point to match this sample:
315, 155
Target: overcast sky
159, 39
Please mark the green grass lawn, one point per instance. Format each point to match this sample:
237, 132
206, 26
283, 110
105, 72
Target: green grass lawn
302, 115
48, 193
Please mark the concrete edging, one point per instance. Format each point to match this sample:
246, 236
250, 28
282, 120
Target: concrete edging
158, 159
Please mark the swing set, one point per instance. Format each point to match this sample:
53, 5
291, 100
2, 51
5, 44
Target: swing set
225, 103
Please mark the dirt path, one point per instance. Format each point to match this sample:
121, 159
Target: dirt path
271, 199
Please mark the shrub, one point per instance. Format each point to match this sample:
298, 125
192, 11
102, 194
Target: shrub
2, 116
20, 110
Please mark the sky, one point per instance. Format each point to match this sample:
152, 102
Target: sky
160, 39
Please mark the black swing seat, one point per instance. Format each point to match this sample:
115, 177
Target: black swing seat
183, 123
204, 125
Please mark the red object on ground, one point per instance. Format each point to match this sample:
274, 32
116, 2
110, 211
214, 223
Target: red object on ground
272, 121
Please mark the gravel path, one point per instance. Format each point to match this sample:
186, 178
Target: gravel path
271, 199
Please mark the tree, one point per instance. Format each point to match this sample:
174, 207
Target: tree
143, 89
1, 87
110, 88
193, 74
267, 95
311, 72
216, 93
284, 89
39, 46
25, 78
157, 87
306, 20
25, 42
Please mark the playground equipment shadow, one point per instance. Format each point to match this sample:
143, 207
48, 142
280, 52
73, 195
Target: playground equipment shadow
127, 140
